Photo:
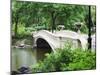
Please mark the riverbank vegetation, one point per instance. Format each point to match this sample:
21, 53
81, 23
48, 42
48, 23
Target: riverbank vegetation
67, 59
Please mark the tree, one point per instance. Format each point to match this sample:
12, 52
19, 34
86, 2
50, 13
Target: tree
33, 14
16, 12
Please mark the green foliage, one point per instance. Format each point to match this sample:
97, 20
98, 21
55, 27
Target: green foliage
53, 61
22, 32
21, 29
49, 15
66, 59
84, 29
82, 60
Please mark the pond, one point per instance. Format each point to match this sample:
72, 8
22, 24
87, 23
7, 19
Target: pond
26, 57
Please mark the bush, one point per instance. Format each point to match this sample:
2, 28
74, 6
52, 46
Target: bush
82, 60
66, 59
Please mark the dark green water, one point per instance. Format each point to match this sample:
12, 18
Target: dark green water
26, 57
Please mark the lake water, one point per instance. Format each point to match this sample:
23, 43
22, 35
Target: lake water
26, 57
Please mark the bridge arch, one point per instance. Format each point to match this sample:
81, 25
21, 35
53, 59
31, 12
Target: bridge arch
52, 41
79, 43
42, 43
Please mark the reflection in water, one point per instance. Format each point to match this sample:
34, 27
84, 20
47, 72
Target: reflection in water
26, 57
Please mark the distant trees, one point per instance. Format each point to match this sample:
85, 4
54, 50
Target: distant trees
32, 14
17, 11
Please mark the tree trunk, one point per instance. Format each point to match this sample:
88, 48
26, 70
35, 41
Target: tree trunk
53, 21
90, 24
16, 25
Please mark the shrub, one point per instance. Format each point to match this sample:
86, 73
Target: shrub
82, 60
66, 59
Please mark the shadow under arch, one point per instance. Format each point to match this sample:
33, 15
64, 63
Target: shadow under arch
43, 47
79, 43
41, 43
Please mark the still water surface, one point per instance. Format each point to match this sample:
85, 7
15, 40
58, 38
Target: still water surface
26, 57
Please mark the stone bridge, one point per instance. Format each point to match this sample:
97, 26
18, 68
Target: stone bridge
47, 39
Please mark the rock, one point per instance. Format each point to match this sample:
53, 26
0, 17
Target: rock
22, 45
24, 70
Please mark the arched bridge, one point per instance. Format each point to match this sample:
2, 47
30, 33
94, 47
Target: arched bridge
47, 39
